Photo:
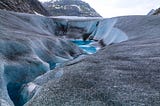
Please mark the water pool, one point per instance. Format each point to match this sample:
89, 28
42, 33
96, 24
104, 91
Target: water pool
85, 46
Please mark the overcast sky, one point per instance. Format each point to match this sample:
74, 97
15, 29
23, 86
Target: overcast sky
112, 8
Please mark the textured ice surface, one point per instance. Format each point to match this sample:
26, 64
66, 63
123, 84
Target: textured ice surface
32, 45
28, 48
120, 74
27, 91
59, 74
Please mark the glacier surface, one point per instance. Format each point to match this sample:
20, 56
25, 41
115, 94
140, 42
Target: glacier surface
32, 45
28, 48
122, 74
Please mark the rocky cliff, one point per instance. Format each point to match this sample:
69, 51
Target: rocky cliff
25, 6
70, 8
157, 12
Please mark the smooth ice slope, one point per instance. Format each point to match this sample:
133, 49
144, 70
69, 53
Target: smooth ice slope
108, 34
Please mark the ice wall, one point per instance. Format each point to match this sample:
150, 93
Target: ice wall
96, 28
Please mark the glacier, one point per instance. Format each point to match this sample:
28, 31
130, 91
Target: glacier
125, 73
96, 28
32, 45
28, 48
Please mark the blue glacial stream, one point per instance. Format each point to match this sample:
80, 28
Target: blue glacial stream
85, 46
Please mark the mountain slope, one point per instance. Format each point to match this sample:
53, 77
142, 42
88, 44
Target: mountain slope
25, 6
157, 12
70, 8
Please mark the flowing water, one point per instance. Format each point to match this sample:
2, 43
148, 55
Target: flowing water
85, 46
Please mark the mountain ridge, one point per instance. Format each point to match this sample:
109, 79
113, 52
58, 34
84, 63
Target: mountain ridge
70, 8
157, 12
24, 6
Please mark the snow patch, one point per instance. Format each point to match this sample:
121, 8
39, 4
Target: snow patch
38, 13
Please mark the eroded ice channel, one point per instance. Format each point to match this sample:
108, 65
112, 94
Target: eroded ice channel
34, 50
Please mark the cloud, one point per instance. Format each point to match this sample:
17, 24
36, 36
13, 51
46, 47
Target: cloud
112, 8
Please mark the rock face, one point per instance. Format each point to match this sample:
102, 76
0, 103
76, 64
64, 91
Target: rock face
70, 8
120, 74
28, 48
154, 12
151, 12
25, 6
157, 12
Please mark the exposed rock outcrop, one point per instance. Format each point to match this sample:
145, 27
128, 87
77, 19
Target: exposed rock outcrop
25, 6
151, 12
157, 12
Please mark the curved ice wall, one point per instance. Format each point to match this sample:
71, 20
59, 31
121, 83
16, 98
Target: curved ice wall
108, 33
96, 28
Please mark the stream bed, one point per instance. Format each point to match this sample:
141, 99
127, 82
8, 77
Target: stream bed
86, 46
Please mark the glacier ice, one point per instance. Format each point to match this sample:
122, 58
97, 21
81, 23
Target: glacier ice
27, 91
28, 49
31, 45
120, 74
59, 74
104, 28
108, 33
96, 28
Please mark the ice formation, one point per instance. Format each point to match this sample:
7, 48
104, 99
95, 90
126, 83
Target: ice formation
31, 45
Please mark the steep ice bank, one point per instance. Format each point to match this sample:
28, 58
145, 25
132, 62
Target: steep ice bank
96, 28
28, 48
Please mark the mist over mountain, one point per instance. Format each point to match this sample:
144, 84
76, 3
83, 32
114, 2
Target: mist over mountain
70, 8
